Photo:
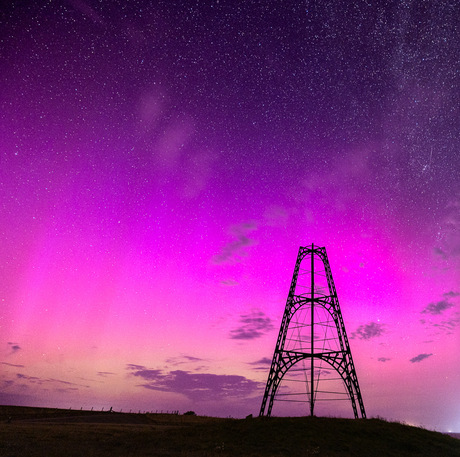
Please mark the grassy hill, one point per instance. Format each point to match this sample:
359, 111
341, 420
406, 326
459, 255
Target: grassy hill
51, 432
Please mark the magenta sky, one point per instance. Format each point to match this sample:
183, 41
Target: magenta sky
161, 164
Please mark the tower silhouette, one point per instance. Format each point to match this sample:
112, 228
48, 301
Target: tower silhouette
312, 342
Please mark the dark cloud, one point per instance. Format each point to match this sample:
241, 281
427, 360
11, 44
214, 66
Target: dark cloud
104, 374
383, 359
262, 361
147, 374
261, 364
324, 372
448, 325
437, 307
197, 386
236, 249
368, 331
67, 383
451, 294
29, 378
7, 398
66, 390
25, 381
229, 282
14, 347
62, 382
5, 384
183, 359
419, 358
252, 326
450, 320
12, 365
131, 366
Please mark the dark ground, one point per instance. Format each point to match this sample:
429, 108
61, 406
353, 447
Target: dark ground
50, 432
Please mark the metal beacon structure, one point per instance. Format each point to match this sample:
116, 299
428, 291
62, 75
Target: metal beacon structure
312, 362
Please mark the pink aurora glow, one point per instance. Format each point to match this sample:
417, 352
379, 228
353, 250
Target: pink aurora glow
152, 211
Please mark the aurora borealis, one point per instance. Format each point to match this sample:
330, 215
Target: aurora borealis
161, 164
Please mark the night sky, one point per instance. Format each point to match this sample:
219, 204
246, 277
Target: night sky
161, 164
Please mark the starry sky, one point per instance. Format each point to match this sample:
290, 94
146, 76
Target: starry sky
161, 164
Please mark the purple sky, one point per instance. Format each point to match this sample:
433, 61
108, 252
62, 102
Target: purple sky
161, 164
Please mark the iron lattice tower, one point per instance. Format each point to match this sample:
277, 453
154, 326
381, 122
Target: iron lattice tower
312, 341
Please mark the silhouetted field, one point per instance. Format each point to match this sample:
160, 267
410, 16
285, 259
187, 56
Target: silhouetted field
50, 432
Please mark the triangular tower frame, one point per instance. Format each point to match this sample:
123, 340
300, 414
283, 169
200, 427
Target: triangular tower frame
339, 359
